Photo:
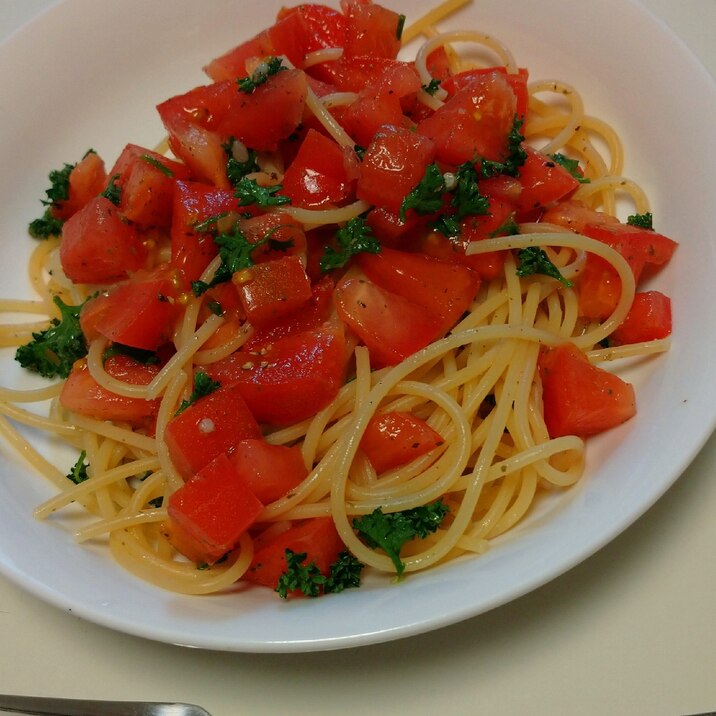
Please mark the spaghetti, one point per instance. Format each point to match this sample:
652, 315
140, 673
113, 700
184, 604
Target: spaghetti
478, 387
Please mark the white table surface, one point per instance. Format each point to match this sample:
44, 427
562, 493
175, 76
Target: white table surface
630, 631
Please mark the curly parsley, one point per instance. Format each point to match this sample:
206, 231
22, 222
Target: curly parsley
354, 238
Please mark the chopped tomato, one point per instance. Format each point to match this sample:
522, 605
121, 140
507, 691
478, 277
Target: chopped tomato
193, 203
317, 538
371, 30
87, 179
97, 246
209, 513
391, 230
475, 122
580, 398
364, 117
543, 181
574, 215
273, 289
396, 438
392, 327
200, 149
212, 425
393, 165
655, 249
517, 80
140, 312
318, 174
308, 317
443, 289
369, 75
290, 378
271, 471
82, 394
649, 318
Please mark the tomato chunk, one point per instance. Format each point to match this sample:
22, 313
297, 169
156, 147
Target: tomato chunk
212, 425
543, 181
518, 82
392, 327
318, 175
317, 538
371, 30
580, 398
97, 246
475, 122
140, 313
289, 379
210, 512
273, 289
82, 394
393, 165
271, 471
649, 318
87, 179
396, 438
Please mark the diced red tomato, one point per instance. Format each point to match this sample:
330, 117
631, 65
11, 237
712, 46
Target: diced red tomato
317, 538
370, 75
97, 246
392, 327
396, 438
370, 30
140, 312
318, 175
267, 115
438, 64
580, 398
308, 317
649, 319
212, 425
209, 513
518, 82
200, 149
289, 379
391, 230
443, 289
82, 394
193, 203
87, 179
655, 249
273, 289
146, 180
475, 122
543, 181
364, 117
271, 471
232, 64
575, 215
393, 165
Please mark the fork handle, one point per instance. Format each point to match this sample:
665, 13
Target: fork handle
46, 706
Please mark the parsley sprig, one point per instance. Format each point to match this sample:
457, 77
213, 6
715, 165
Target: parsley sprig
249, 192
270, 66
534, 260
307, 578
643, 221
391, 531
52, 352
203, 386
78, 472
571, 165
427, 196
353, 238
516, 154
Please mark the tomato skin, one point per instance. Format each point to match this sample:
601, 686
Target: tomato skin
518, 82
316, 537
649, 319
317, 176
392, 327
268, 115
474, 123
97, 246
82, 394
87, 179
212, 425
393, 165
194, 202
141, 312
543, 181
289, 379
397, 438
271, 471
209, 513
443, 289
364, 117
580, 398
273, 289
370, 30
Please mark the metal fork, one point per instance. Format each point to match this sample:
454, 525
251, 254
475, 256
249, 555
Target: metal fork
43, 706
